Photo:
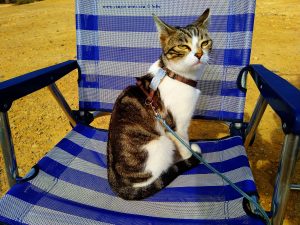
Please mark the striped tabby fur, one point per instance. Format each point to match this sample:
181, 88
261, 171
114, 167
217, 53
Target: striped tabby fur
143, 157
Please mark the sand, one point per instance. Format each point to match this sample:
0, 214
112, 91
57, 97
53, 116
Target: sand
41, 34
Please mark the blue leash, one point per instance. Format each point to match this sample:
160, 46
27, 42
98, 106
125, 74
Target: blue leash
257, 207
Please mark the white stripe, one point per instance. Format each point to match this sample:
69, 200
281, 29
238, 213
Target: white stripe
194, 210
99, 95
220, 103
33, 214
221, 40
212, 180
166, 8
131, 69
205, 102
13, 208
42, 215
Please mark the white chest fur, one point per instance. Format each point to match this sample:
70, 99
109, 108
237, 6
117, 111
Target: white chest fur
179, 98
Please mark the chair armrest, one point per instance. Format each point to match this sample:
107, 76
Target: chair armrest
283, 97
23, 85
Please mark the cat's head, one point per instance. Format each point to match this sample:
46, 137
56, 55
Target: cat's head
185, 49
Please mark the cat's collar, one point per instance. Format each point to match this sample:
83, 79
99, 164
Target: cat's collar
182, 79
161, 73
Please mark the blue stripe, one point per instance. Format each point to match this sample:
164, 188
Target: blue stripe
207, 87
202, 194
106, 81
203, 114
91, 133
229, 57
223, 167
86, 22
85, 52
232, 92
10, 221
96, 106
220, 145
234, 57
118, 54
83, 153
221, 115
93, 213
219, 23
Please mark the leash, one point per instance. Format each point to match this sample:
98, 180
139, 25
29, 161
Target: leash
151, 101
256, 207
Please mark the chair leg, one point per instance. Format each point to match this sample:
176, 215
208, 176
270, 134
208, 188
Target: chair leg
285, 171
63, 103
8, 149
257, 114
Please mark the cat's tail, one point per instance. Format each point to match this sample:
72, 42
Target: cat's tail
138, 193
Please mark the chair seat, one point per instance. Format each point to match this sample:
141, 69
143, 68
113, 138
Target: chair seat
71, 188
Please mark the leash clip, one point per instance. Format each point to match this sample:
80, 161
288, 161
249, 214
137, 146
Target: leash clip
150, 103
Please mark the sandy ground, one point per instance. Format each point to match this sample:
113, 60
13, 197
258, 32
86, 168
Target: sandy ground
43, 33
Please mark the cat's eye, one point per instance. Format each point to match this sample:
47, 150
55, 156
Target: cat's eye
184, 47
205, 43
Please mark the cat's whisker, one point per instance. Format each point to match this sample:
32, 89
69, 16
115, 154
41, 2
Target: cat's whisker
208, 60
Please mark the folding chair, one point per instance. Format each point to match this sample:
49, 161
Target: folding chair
116, 42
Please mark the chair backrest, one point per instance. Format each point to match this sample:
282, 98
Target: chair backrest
117, 41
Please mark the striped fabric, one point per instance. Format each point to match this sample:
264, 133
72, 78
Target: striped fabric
72, 188
117, 41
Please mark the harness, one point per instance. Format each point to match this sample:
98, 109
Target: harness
151, 98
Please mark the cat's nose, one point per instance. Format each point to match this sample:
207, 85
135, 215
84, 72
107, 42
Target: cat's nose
199, 55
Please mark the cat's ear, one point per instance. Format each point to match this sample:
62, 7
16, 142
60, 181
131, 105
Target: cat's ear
163, 29
204, 19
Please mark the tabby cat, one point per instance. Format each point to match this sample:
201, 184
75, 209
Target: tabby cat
143, 157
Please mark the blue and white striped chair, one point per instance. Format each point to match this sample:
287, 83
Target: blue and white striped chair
116, 42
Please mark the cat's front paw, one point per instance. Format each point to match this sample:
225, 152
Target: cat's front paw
196, 148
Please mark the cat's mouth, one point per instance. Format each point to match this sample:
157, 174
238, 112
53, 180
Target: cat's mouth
203, 60
197, 63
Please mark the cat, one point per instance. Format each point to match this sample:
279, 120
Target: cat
142, 156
